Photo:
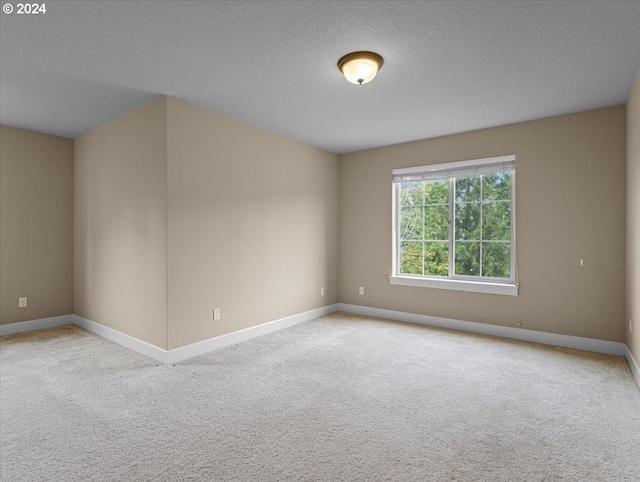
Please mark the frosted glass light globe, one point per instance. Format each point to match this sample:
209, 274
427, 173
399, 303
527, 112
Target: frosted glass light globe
360, 71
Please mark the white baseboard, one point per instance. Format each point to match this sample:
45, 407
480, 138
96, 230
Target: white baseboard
545, 338
34, 325
206, 346
158, 354
633, 364
123, 339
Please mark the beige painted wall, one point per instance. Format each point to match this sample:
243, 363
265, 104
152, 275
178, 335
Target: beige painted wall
570, 173
36, 225
121, 224
252, 225
633, 219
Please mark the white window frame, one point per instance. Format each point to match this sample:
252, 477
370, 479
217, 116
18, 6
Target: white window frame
500, 286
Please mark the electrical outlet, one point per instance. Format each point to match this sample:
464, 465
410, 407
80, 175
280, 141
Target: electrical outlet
361, 290
322, 291
22, 302
216, 314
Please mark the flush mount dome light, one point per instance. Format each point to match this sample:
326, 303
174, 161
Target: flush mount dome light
360, 67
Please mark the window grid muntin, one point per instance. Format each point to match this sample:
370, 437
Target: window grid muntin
423, 240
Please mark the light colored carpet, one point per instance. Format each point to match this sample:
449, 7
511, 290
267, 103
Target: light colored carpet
338, 398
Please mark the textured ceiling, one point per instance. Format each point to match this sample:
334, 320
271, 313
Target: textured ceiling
448, 66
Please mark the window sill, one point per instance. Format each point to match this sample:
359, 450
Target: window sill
509, 289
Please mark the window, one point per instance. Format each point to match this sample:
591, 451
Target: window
454, 226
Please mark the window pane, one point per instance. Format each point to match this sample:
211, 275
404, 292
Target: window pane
496, 186
468, 259
496, 221
468, 189
437, 192
411, 223
411, 193
474, 212
436, 222
436, 258
411, 258
468, 221
496, 260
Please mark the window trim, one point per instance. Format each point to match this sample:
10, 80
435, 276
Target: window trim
502, 286
510, 289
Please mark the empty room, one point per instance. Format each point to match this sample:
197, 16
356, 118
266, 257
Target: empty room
320, 240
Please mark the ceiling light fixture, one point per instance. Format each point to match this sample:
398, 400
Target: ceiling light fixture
360, 67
